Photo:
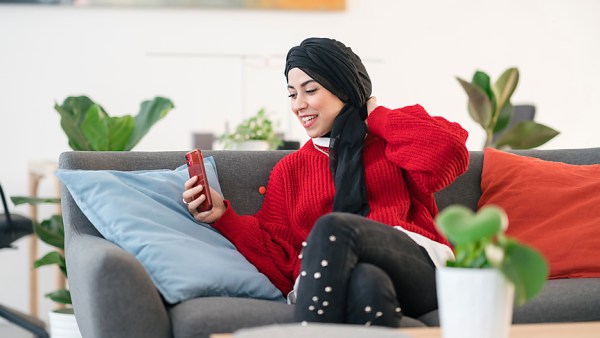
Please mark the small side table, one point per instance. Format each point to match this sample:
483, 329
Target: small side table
38, 170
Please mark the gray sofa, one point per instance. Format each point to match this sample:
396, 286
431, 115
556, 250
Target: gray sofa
114, 297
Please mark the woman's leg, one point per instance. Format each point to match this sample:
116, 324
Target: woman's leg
337, 243
372, 298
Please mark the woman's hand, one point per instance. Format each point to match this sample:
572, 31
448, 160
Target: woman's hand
371, 104
209, 216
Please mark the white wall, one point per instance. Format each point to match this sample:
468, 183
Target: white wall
413, 51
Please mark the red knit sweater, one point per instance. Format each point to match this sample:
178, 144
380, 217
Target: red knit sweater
408, 155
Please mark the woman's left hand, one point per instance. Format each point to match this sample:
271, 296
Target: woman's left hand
371, 104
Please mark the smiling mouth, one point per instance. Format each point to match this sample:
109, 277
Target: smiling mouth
306, 120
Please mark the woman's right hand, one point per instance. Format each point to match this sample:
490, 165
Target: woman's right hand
209, 216
371, 104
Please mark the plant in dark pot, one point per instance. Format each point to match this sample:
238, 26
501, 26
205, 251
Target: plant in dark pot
491, 271
88, 127
489, 105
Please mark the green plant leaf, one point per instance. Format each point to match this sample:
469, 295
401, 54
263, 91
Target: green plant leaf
526, 268
62, 296
51, 258
482, 80
120, 130
150, 112
89, 127
17, 200
462, 226
504, 117
526, 135
504, 87
106, 133
51, 231
480, 107
72, 114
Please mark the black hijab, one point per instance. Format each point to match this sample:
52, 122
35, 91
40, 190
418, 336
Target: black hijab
337, 68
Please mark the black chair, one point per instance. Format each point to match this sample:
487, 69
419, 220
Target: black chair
13, 227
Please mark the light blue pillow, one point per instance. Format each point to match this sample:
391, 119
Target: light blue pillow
143, 213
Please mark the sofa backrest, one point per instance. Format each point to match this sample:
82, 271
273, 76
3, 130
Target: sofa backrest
242, 173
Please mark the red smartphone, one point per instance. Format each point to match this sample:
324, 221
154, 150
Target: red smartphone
195, 165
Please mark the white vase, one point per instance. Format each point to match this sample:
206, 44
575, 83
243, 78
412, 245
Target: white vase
251, 145
474, 303
63, 324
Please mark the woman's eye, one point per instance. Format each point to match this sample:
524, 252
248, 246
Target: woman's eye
310, 91
292, 95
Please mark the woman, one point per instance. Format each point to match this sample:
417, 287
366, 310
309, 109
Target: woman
348, 220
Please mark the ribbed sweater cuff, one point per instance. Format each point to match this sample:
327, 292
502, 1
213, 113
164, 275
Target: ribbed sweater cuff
227, 223
376, 120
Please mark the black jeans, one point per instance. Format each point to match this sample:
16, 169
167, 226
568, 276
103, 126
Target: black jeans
355, 270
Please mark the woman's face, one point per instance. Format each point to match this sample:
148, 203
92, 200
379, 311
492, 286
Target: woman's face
315, 106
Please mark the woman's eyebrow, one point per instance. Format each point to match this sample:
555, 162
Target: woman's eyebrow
303, 84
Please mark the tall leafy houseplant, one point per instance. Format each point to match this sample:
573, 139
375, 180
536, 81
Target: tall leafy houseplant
489, 105
50, 231
89, 127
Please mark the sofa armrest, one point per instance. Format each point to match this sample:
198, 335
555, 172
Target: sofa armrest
112, 294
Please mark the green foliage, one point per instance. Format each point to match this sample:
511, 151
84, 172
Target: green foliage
89, 127
489, 105
50, 231
257, 127
479, 242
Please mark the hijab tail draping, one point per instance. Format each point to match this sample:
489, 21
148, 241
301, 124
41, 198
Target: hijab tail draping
345, 151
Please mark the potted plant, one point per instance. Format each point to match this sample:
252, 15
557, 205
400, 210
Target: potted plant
254, 133
476, 291
489, 105
88, 127
51, 232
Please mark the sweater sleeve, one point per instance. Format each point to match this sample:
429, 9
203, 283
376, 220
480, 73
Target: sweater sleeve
431, 149
266, 238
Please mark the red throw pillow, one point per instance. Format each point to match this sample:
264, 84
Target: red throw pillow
552, 206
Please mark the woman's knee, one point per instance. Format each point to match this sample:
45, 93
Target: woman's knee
332, 224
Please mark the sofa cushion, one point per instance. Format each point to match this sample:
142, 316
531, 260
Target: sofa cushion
551, 206
201, 317
143, 212
561, 300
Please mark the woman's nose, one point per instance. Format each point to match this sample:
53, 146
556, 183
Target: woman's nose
298, 104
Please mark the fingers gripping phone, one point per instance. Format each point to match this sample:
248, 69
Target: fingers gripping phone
195, 165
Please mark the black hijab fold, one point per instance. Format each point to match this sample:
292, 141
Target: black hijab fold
338, 69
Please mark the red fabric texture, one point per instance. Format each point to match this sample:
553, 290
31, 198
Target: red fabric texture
408, 156
551, 206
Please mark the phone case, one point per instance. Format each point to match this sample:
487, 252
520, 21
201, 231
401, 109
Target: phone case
195, 164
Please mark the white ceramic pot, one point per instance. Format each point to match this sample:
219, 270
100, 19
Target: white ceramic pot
251, 145
474, 303
63, 324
